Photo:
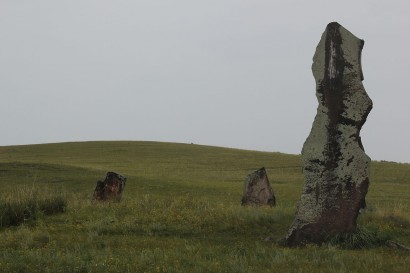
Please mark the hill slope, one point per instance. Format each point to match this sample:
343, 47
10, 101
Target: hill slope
181, 211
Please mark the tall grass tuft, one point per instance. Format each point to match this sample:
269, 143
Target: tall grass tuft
28, 204
360, 239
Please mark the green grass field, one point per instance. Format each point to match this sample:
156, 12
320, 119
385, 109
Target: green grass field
181, 212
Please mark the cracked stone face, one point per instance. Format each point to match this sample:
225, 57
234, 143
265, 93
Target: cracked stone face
335, 166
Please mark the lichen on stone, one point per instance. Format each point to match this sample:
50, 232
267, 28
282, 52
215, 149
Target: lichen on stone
335, 166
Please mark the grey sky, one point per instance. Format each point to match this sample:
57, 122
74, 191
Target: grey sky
232, 73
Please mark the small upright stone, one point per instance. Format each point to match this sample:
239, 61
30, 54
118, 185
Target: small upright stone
257, 189
111, 188
335, 166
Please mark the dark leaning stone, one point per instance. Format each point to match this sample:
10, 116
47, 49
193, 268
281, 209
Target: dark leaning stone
335, 166
257, 189
111, 188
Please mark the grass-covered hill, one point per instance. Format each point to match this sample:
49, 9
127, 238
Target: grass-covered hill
180, 212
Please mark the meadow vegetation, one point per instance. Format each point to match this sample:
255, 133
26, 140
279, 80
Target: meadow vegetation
181, 212
25, 205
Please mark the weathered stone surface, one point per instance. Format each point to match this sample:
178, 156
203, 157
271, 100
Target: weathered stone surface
257, 189
111, 188
335, 166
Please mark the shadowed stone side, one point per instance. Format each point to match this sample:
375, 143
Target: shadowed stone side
257, 189
111, 188
335, 166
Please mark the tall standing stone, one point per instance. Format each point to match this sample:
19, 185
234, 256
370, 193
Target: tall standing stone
335, 166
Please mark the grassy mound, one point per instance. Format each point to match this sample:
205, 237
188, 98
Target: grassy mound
181, 212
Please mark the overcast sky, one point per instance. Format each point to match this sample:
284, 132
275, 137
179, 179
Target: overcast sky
233, 73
